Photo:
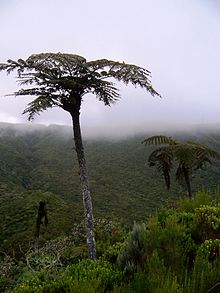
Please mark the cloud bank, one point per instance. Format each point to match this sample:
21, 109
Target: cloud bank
177, 40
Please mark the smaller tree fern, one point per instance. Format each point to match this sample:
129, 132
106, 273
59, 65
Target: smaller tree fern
188, 156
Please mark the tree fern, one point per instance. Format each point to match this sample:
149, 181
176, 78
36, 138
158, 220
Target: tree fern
62, 80
190, 156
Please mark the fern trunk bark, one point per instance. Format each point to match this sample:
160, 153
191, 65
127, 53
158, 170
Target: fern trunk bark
87, 201
188, 183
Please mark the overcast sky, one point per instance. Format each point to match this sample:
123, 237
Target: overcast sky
177, 40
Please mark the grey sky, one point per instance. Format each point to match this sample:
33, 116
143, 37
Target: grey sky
177, 40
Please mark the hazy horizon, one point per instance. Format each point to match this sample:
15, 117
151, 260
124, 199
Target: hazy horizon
121, 133
177, 40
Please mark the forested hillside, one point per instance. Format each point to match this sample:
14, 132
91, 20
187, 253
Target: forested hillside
40, 162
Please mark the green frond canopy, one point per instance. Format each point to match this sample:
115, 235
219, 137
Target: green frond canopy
62, 79
159, 139
187, 156
162, 159
127, 73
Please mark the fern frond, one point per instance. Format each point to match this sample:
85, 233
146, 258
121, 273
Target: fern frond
57, 77
162, 158
37, 106
159, 139
206, 151
127, 73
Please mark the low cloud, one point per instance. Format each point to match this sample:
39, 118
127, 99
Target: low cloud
178, 41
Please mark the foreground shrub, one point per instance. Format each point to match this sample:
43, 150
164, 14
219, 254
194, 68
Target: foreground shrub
133, 254
204, 276
176, 251
171, 240
85, 276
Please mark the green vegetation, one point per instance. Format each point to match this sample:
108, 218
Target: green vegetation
173, 245
123, 187
176, 250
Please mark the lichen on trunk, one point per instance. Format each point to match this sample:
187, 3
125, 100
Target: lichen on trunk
87, 201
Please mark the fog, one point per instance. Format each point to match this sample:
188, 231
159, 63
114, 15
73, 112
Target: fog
65, 132
177, 40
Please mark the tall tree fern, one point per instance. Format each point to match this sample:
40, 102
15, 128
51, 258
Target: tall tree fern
62, 80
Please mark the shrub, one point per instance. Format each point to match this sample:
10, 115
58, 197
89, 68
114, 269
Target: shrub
85, 276
161, 279
208, 221
112, 252
88, 270
210, 249
133, 254
204, 275
172, 241
189, 205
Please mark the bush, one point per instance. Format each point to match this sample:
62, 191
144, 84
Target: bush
85, 276
210, 249
204, 275
189, 205
133, 254
208, 221
175, 252
161, 279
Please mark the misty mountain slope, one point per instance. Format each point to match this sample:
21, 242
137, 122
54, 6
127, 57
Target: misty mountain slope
15, 161
18, 213
120, 181
117, 174
122, 185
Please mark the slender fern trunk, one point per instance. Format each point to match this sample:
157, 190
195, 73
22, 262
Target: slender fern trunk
87, 201
187, 180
